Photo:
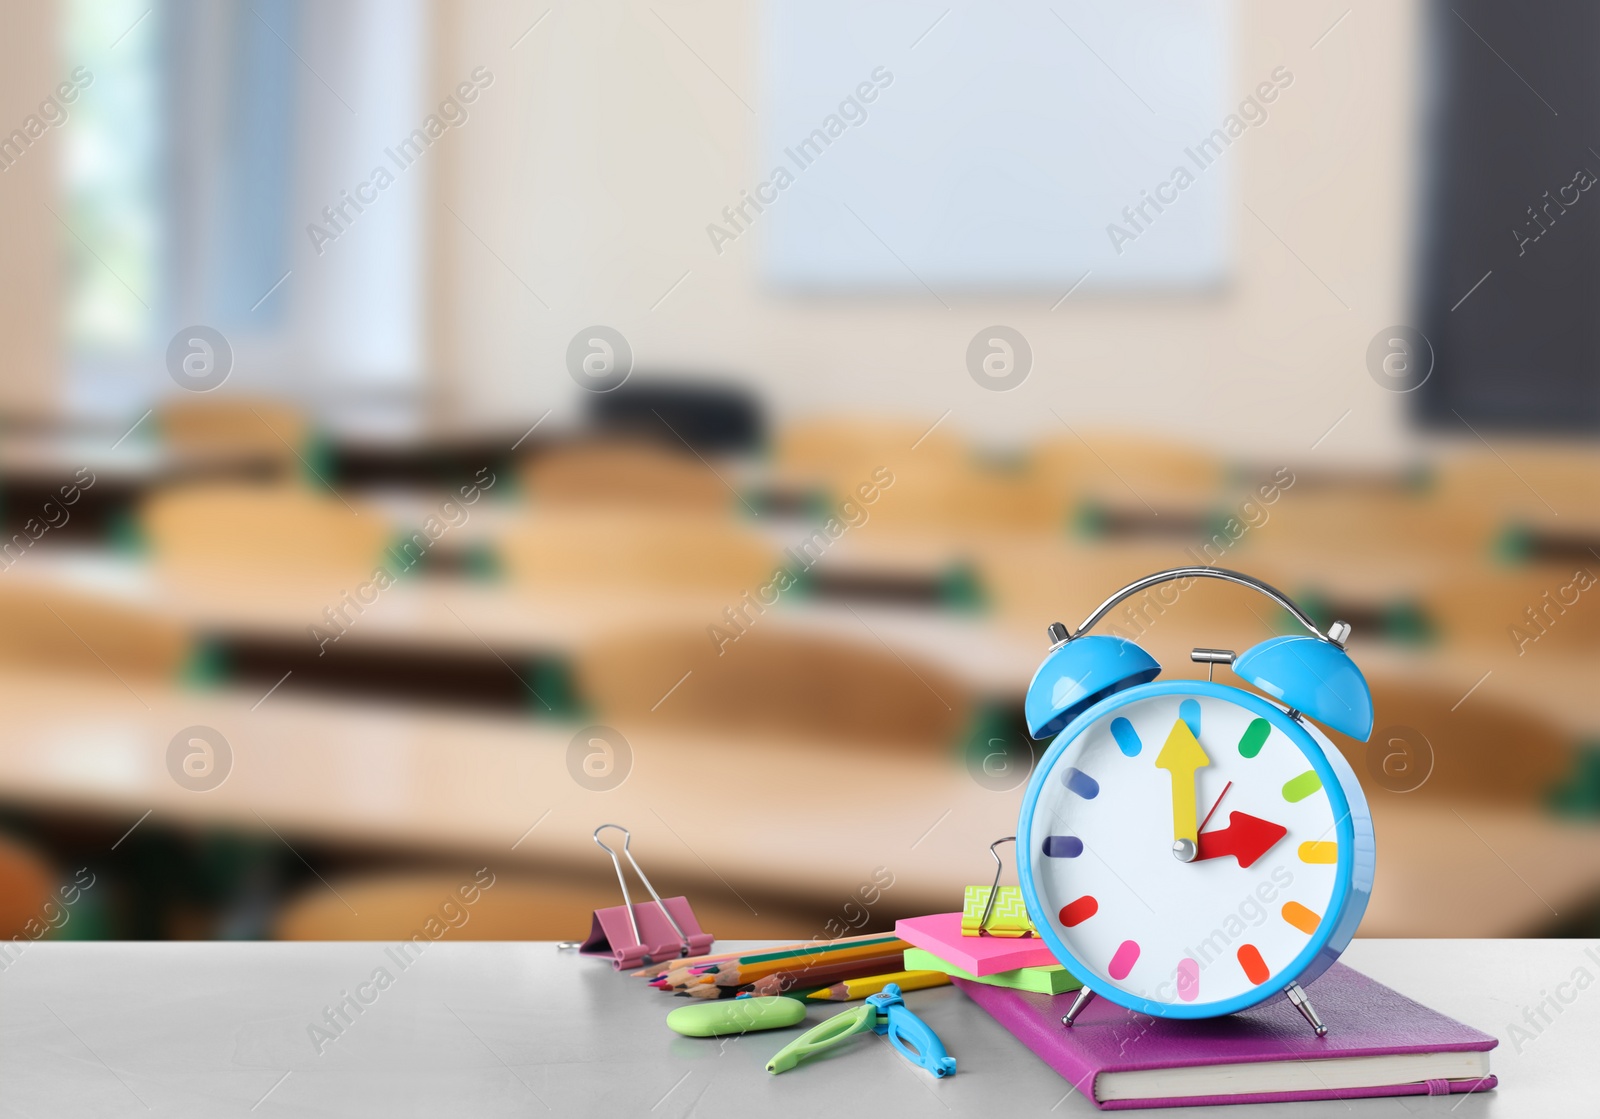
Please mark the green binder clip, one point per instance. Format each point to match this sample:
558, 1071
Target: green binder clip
883, 1013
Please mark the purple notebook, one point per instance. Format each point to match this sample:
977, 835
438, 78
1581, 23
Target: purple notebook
1120, 1059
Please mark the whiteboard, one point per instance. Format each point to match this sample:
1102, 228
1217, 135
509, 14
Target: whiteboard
1001, 151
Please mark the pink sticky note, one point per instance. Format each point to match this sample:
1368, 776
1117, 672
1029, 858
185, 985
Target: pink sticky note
940, 933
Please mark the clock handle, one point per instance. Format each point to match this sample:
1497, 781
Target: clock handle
1337, 633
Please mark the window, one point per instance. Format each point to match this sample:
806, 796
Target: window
110, 202
212, 136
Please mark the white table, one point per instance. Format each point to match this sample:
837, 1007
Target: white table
486, 1029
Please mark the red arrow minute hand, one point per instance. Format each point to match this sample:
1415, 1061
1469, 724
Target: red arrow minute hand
1246, 838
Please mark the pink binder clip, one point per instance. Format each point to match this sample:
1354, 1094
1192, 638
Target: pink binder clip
663, 931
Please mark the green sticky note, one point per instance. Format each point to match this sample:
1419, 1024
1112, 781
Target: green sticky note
1052, 980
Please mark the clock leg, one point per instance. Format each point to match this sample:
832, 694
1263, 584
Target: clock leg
1085, 997
1302, 1003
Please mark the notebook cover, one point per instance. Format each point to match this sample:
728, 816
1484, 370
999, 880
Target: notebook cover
1046, 980
1364, 1019
940, 933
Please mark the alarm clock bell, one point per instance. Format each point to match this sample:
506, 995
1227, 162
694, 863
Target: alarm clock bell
1311, 673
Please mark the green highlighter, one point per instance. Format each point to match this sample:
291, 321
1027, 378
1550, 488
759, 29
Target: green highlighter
736, 1016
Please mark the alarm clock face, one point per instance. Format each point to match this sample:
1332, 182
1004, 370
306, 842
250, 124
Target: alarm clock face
1116, 795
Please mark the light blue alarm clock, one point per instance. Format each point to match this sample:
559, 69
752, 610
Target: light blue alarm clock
1186, 848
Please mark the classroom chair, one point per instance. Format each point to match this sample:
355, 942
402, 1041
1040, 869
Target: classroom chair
1374, 526
47, 628
27, 886
930, 480
1041, 580
841, 454
1137, 473
234, 429
961, 498
635, 550
779, 685
1545, 607
1479, 870
395, 906
1485, 749
268, 536
1543, 480
712, 419
1536, 500
627, 475
1479, 818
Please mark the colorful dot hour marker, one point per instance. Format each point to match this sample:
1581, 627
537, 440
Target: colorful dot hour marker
1122, 961
1188, 977
1301, 917
1081, 783
1298, 788
1189, 712
1062, 846
1322, 851
1077, 912
1255, 968
1254, 737
1127, 738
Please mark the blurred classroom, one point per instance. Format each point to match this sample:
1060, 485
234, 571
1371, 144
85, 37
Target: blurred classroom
430, 431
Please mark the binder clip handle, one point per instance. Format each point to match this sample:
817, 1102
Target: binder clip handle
994, 890
627, 901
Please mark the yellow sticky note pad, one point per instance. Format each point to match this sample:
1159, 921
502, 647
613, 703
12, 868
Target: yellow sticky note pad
1010, 916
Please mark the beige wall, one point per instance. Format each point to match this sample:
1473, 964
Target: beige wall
30, 238
605, 146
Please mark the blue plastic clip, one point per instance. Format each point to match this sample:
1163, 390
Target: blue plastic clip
911, 1035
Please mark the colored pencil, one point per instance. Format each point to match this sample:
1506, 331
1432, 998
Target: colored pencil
803, 979
795, 982
709, 991
754, 968
655, 970
806, 978
738, 974
852, 989
791, 958
765, 953
735, 976
841, 945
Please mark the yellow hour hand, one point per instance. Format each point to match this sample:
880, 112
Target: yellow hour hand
1180, 757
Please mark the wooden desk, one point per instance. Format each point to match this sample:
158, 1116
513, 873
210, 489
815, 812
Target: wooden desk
133, 463
465, 615
1558, 685
517, 1028
376, 449
438, 783
435, 782
997, 656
